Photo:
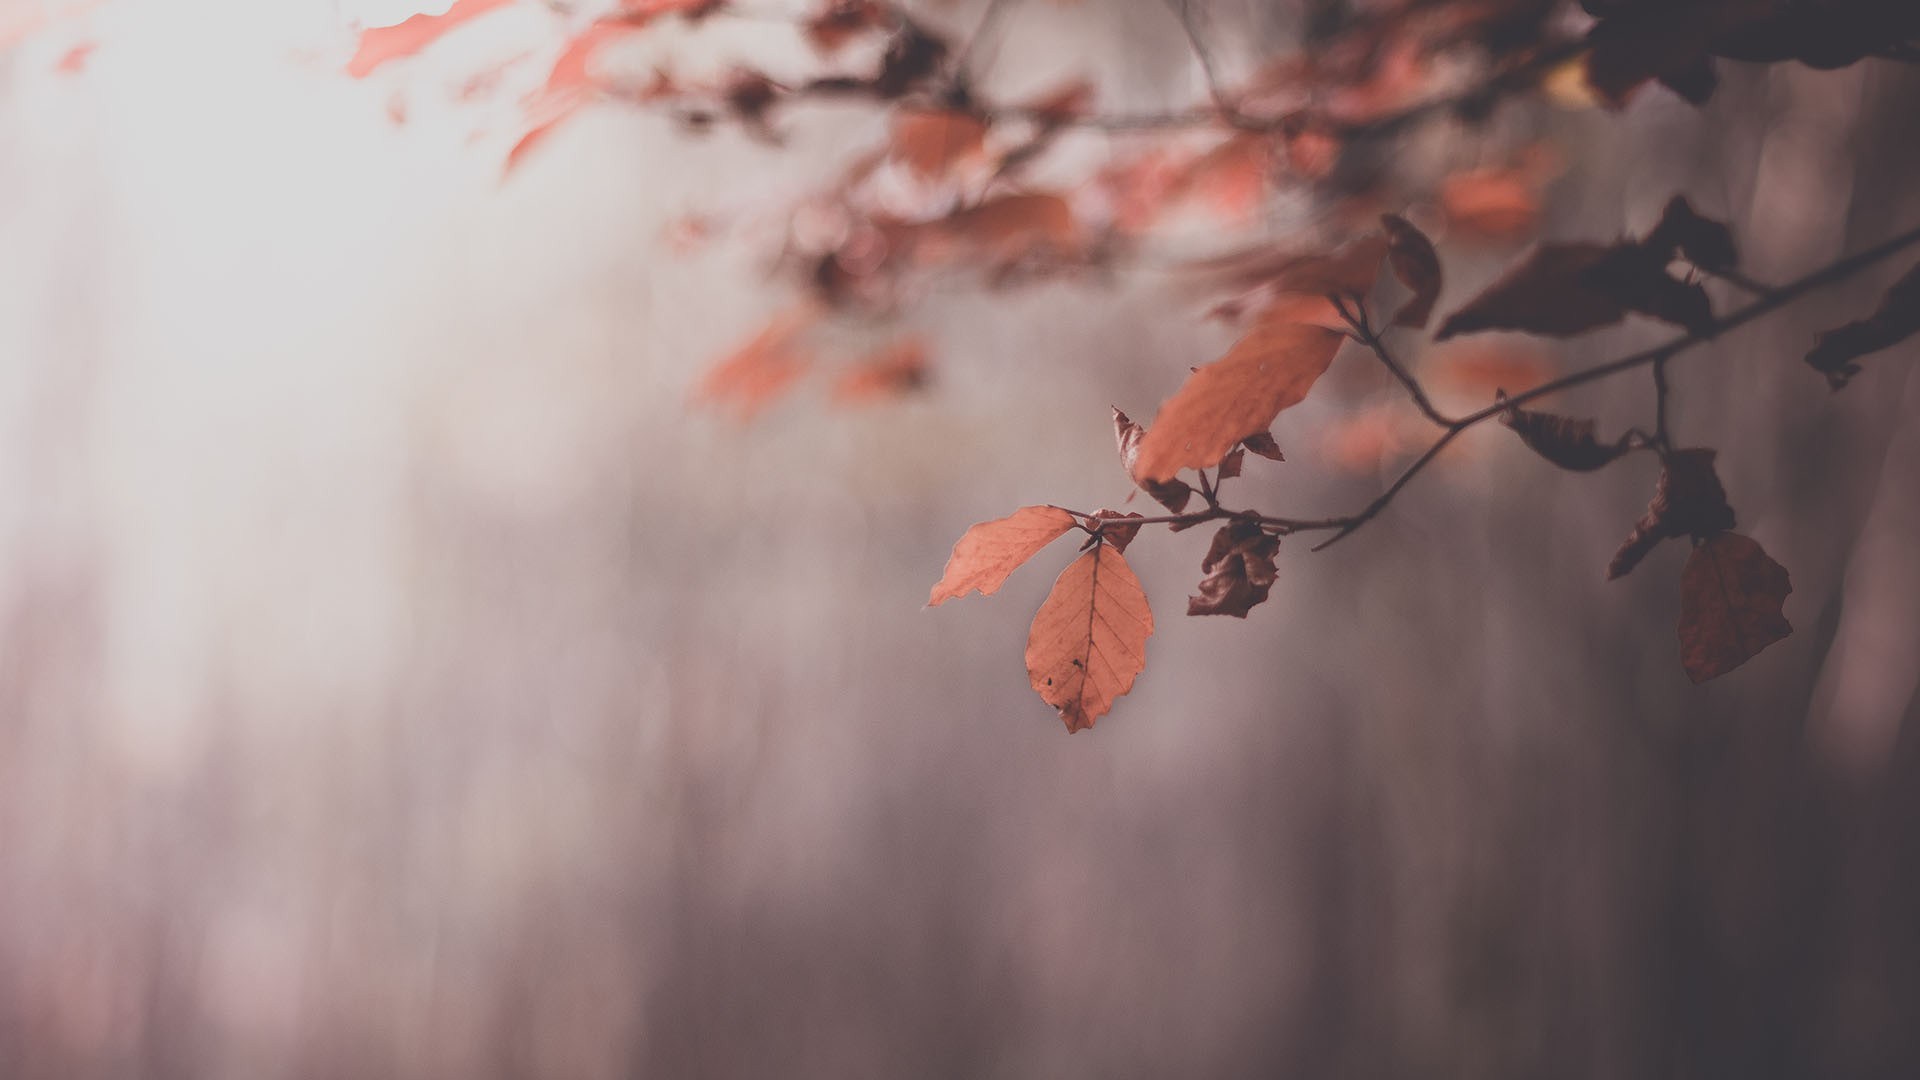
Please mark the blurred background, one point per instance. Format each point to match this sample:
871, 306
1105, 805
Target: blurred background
402, 680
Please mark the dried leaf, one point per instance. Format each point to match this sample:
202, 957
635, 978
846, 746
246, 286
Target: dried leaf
1563, 440
1089, 640
1566, 289
1687, 501
1112, 530
990, 551
1261, 442
1897, 319
1239, 570
1417, 265
1731, 600
384, 44
1172, 494
1270, 369
1230, 465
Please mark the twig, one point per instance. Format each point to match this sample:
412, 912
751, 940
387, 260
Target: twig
1363, 333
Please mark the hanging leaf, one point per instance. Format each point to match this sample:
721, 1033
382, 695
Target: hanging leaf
1897, 319
1687, 501
1732, 597
1111, 528
1172, 494
1089, 640
1270, 369
1239, 570
1563, 440
990, 551
1230, 465
1416, 265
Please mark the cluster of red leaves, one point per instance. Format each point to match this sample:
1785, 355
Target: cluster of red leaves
1087, 645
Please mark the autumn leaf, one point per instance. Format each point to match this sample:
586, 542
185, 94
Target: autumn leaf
384, 44
890, 372
990, 551
1731, 600
1089, 640
1566, 289
1897, 319
1112, 528
1270, 369
1239, 570
757, 373
1563, 440
1230, 465
1687, 501
1172, 494
1416, 265
1231, 179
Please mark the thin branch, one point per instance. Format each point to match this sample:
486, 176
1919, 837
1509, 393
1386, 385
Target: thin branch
1363, 332
1662, 435
1766, 305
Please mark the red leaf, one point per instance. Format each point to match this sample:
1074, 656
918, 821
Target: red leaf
1270, 369
1687, 501
1731, 600
992, 550
1089, 640
1112, 529
1417, 265
385, 43
1239, 570
1563, 440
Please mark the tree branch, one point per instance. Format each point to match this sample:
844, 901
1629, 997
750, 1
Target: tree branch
1766, 305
